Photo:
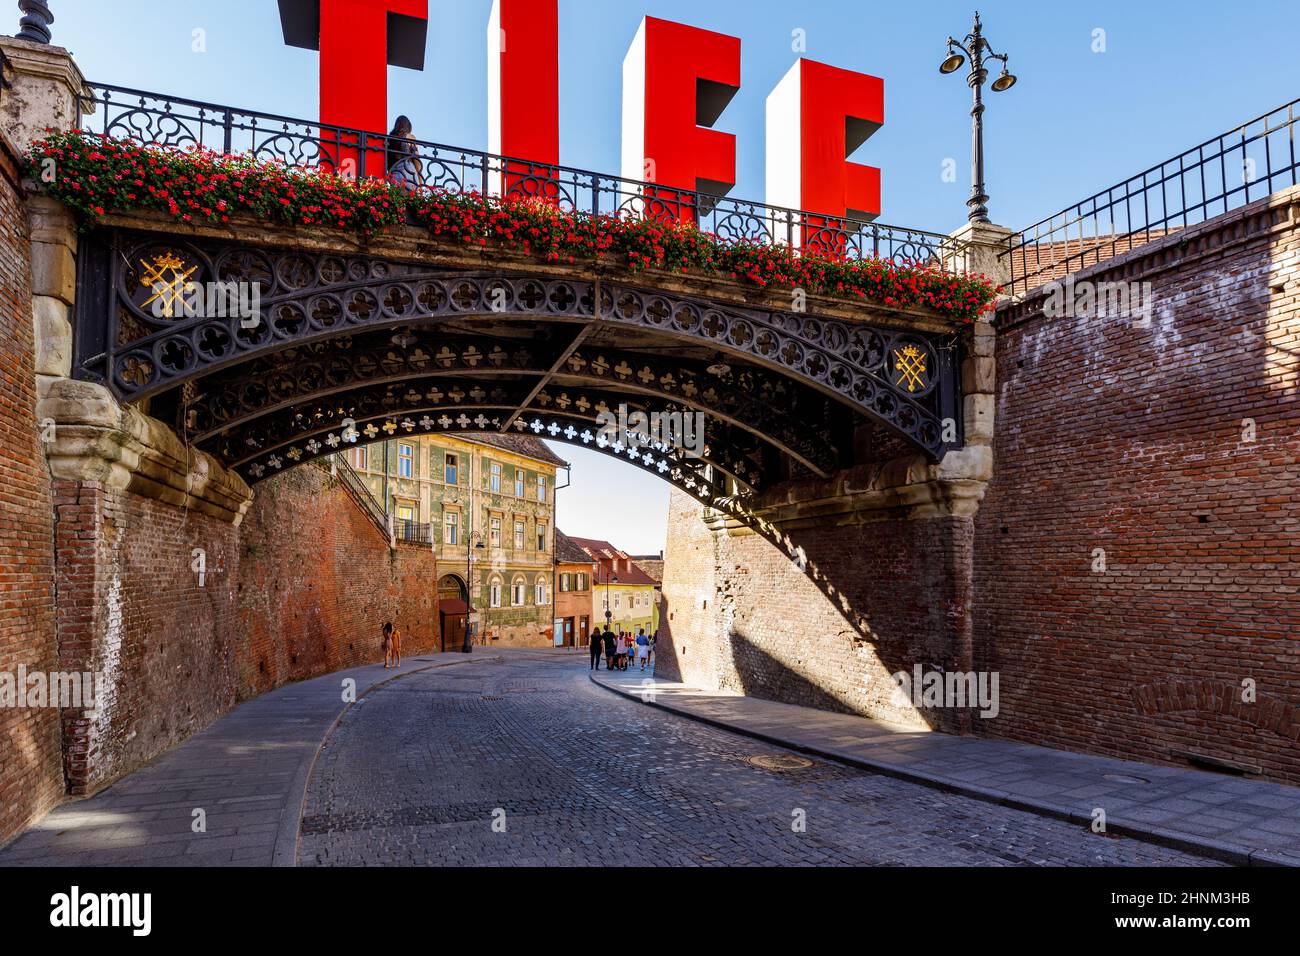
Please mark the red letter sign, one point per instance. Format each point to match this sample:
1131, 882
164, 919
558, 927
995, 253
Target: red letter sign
524, 91
677, 80
816, 117
357, 40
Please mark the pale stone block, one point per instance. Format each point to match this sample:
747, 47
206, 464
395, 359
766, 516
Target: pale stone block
972, 463
978, 374
53, 332
979, 412
54, 271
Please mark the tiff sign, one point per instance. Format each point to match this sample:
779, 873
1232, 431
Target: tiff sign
677, 81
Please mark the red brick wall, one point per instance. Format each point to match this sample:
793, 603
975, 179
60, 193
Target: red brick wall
1129, 439
318, 581
31, 777
301, 589
872, 599
130, 608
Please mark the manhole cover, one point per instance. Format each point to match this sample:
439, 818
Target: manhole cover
779, 762
492, 697
1123, 778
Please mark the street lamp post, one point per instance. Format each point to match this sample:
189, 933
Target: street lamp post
609, 610
470, 613
977, 49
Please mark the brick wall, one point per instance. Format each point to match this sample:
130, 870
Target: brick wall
31, 777
318, 581
1116, 436
131, 609
873, 599
301, 589
1127, 438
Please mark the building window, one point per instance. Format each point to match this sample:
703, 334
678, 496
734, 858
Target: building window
494, 593
582, 582
449, 470
517, 592
541, 487
496, 479
519, 536
519, 482
566, 582
452, 521
541, 536
617, 600
494, 532
359, 458
539, 591
405, 461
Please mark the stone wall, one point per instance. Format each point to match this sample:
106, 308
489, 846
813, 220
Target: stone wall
31, 776
1169, 448
1166, 449
864, 601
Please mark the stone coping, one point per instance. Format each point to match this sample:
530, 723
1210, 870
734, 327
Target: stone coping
97, 440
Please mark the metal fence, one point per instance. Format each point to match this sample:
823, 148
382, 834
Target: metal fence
337, 465
180, 123
1240, 166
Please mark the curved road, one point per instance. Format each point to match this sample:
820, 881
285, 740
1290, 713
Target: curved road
526, 762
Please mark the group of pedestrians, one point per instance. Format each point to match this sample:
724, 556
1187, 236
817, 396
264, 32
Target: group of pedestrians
621, 648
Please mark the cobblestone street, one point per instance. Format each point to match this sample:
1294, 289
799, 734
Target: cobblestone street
525, 762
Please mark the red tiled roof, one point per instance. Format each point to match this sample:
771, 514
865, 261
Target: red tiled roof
567, 550
633, 576
525, 445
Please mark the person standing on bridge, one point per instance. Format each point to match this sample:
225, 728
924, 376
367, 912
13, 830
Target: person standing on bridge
403, 162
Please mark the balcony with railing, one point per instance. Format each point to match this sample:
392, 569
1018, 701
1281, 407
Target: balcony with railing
179, 123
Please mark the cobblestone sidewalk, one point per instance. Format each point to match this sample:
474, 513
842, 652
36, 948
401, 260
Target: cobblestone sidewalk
1239, 821
247, 773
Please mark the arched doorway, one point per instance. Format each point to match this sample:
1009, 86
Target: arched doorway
453, 611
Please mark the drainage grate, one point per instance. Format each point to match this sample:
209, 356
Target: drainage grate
1123, 778
779, 762
493, 697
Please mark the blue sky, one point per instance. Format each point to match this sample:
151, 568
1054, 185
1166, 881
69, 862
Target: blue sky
1172, 75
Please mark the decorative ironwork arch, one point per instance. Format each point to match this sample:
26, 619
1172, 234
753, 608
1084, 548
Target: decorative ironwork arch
152, 343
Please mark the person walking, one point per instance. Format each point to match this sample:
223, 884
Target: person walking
608, 640
642, 648
595, 642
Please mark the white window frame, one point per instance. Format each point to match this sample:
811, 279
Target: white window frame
541, 487
494, 481
405, 461
451, 527
494, 593
451, 463
518, 591
494, 531
521, 534
539, 592
521, 479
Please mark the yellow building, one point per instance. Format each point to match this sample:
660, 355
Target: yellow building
487, 506
620, 588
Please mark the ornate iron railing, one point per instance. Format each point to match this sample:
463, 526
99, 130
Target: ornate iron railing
1247, 163
412, 532
337, 465
182, 123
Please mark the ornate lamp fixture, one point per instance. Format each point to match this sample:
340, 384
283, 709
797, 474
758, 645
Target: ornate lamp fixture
977, 49
36, 21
